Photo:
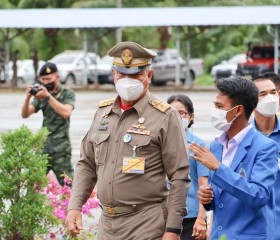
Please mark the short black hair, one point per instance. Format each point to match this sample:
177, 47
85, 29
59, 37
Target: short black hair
241, 91
274, 77
185, 100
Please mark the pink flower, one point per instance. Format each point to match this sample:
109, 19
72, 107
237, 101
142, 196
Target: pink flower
52, 235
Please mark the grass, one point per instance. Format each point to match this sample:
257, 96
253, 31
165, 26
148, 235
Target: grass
204, 80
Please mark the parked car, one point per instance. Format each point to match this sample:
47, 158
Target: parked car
164, 66
104, 70
71, 65
260, 59
25, 71
227, 68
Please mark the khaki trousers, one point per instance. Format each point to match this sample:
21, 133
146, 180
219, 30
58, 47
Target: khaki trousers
147, 223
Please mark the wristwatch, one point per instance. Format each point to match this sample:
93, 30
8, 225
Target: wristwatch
48, 97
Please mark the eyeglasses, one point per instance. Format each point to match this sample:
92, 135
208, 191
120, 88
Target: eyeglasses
183, 113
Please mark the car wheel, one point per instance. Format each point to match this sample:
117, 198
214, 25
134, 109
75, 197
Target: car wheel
70, 80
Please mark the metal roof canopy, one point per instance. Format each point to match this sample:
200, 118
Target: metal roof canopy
138, 17
143, 17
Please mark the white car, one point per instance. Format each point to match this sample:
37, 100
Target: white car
104, 70
227, 68
25, 71
164, 66
71, 66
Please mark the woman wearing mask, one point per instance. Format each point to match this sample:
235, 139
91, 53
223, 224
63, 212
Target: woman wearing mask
194, 224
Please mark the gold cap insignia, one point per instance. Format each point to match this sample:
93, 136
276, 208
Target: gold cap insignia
127, 56
48, 70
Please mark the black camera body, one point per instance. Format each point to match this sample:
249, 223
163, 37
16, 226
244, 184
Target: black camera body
35, 89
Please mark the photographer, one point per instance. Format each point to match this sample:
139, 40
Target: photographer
57, 104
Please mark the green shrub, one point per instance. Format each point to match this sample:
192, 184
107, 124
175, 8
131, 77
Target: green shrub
23, 212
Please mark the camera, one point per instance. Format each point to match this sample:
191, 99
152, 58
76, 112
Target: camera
35, 89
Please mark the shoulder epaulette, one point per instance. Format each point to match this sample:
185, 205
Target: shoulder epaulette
160, 105
106, 102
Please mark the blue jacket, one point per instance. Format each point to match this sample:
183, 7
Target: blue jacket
243, 201
275, 135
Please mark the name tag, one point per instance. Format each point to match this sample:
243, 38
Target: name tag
134, 165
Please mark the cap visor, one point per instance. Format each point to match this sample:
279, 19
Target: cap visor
129, 70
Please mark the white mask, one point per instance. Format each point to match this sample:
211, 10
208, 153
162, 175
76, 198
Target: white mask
268, 106
129, 89
185, 123
219, 120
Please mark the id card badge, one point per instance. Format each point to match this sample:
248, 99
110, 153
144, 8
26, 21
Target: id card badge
134, 165
279, 163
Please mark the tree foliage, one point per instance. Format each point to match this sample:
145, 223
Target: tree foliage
23, 212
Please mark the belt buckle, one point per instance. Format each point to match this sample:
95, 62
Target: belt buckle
110, 210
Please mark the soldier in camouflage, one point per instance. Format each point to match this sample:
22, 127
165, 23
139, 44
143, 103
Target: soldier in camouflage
57, 104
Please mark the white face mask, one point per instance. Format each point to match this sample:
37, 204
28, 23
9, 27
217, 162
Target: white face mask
268, 106
129, 89
219, 120
185, 123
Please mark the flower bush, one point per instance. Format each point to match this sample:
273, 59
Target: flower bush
58, 197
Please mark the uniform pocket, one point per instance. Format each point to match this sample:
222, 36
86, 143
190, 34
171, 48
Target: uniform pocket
100, 145
141, 142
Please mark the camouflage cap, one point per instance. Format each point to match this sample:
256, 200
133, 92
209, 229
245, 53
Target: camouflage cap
47, 69
131, 57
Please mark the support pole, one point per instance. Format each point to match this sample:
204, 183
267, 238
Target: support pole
85, 50
188, 81
276, 49
177, 69
95, 49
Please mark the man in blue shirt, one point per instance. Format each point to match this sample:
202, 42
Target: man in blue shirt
268, 124
243, 166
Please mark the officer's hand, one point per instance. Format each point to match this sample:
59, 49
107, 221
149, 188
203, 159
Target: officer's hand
73, 222
205, 194
170, 236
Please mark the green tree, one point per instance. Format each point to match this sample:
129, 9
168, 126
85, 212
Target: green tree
23, 212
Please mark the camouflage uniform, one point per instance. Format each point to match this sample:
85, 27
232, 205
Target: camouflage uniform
58, 145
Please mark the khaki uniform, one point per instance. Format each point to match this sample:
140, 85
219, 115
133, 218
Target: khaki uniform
165, 152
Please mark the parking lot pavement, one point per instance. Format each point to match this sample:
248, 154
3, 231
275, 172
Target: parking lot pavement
86, 105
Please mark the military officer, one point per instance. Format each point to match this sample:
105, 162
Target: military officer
134, 142
57, 104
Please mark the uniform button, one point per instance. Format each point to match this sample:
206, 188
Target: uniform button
113, 162
220, 228
110, 182
221, 205
116, 141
